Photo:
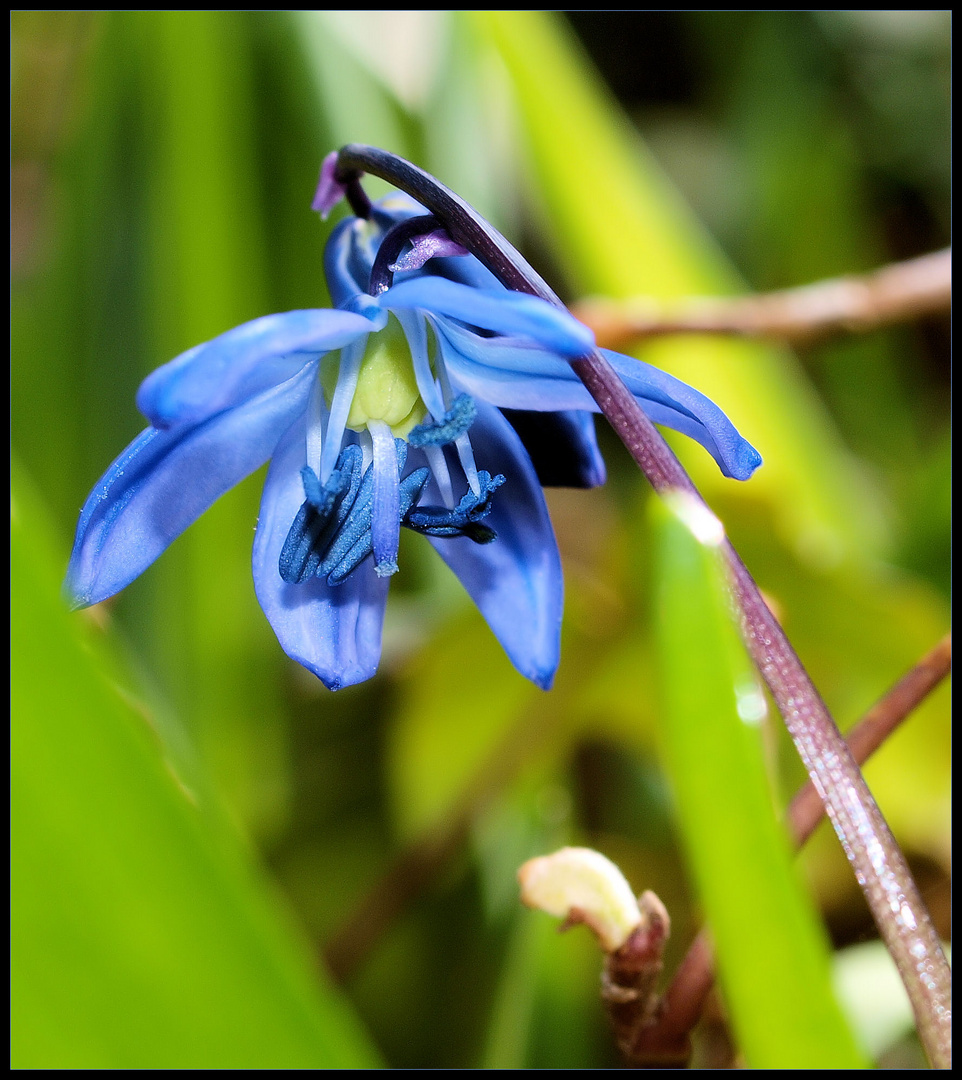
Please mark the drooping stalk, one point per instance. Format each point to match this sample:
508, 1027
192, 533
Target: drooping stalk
876, 858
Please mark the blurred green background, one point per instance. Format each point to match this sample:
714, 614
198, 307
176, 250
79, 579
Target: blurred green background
196, 819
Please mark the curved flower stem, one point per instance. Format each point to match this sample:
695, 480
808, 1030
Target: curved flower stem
684, 999
879, 865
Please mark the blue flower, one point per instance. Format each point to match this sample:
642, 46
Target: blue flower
428, 397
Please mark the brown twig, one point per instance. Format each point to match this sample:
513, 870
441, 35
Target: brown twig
854, 303
668, 1036
806, 809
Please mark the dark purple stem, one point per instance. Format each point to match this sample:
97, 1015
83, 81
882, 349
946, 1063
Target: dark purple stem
877, 860
382, 277
357, 197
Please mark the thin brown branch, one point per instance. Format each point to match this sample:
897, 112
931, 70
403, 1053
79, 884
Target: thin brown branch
668, 1037
854, 303
806, 809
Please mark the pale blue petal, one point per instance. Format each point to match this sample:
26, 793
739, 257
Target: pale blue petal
165, 480
466, 269
512, 376
675, 404
243, 363
509, 373
515, 580
500, 310
334, 631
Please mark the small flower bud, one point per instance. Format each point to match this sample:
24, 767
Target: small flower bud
581, 885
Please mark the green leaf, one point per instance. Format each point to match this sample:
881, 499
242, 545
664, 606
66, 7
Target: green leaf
772, 956
141, 935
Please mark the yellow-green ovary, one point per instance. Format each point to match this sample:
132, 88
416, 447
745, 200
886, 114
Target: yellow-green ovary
386, 387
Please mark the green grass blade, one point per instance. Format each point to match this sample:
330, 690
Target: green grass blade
141, 935
772, 956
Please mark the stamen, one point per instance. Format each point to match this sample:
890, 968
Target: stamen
415, 330
439, 470
410, 491
315, 423
464, 519
320, 516
350, 366
454, 423
466, 455
441, 369
354, 528
385, 513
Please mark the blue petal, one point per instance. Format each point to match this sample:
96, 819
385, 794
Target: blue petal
515, 580
675, 404
242, 363
334, 631
165, 480
510, 373
500, 310
513, 376
466, 269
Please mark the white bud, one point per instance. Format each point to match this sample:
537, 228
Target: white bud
581, 885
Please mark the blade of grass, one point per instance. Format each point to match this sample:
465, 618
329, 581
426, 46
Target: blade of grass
141, 936
773, 958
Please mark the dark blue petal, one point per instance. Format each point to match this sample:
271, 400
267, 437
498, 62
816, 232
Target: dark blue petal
515, 581
562, 446
335, 632
243, 363
502, 311
165, 480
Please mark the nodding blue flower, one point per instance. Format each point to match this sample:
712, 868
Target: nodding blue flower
428, 397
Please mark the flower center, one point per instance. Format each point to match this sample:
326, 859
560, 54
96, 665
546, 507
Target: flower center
387, 389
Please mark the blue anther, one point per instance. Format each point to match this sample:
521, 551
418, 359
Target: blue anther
352, 543
464, 519
355, 527
454, 423
331, 535
320, 516
410, 491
